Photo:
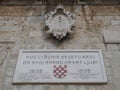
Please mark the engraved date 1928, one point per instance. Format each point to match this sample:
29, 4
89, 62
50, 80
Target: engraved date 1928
35, 71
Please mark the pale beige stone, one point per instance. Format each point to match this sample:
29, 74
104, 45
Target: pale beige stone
98, 46
7, 36
38, 87
1, 77
35, 34
115, 22
110, 17
111, 36
72, 87
98, 18
116, 65
10, 27
26, 87
113, 27
28, 19
119, 47
10, 71
2, 56
112, 47
22, 10
24, 75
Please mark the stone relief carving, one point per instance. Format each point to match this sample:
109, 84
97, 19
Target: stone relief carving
60, 22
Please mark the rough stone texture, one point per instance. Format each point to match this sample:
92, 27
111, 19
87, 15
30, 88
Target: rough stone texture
7, 36
35, 34
116, 65
112, 47
21, 11
88, 34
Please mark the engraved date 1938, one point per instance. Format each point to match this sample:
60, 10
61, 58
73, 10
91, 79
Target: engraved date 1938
85, 70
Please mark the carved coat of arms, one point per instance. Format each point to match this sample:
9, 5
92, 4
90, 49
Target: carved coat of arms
60, 22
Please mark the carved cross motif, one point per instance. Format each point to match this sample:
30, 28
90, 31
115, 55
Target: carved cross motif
59, 22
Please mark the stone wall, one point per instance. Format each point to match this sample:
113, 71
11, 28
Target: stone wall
22, 27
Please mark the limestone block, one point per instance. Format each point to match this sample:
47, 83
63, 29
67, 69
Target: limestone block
110, 10
106, 22
98, 18
108, 17
2, 56
111, 36
10, 27
10, 72
7, 36
115, 22
112, 47
119, 47
116, 65
38, 87
113, 27
111, 17
35, 34
28, 87
98, 46
22, 10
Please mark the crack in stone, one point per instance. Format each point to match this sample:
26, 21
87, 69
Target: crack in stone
2, 62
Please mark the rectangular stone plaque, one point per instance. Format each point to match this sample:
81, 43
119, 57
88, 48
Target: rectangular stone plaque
60, 67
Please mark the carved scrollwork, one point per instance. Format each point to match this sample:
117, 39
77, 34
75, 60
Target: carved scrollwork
59, 22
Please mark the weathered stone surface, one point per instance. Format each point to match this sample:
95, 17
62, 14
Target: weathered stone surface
110, 17
40, 10
10, 27
23, 71
35, 34
116, 71
111, 36
90, 22
26, 87
112, 47
38, 87
113, 27
115, 22
22, 10
2, 57
7, 36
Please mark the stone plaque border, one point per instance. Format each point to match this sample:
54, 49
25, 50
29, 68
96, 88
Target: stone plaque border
104, 81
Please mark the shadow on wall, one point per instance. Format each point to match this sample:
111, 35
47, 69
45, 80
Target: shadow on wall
54, 2
48, 1
21, 2
51, 4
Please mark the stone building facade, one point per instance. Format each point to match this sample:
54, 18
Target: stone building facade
22, 27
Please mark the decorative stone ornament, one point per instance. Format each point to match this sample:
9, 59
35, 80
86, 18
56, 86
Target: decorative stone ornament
60, 22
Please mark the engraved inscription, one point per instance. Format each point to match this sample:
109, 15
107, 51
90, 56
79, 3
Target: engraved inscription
60, 67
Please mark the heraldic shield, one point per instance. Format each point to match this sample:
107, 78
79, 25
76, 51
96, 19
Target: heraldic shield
60, 22
60, 71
